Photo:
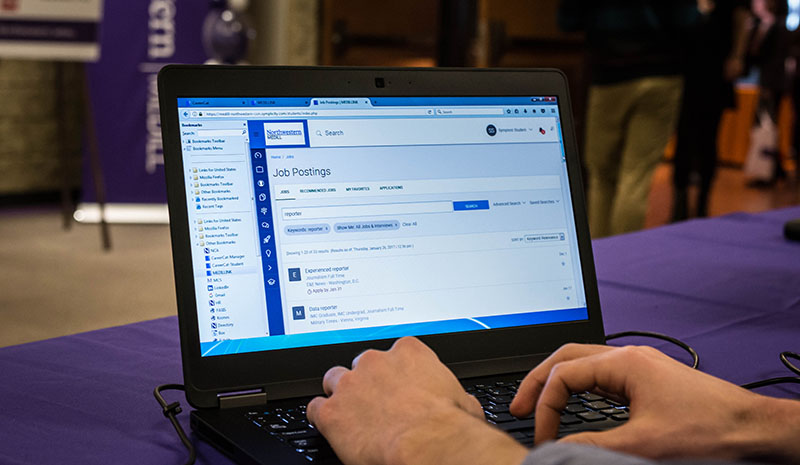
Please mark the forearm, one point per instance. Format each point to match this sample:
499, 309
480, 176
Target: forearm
450, 435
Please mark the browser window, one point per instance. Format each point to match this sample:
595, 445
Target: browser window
328, 220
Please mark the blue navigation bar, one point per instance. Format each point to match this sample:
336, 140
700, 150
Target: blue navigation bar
266, 233
471, 205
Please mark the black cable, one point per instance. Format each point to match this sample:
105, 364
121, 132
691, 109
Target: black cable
785, 356
171, 411
771, 381
663, 337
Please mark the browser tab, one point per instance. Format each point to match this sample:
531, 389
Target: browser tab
325, 102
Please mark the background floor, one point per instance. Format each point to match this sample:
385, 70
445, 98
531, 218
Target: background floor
55, 282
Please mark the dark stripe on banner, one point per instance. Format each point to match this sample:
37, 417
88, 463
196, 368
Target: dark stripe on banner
48, 31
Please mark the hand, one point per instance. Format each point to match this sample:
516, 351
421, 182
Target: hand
405, 406
675, 411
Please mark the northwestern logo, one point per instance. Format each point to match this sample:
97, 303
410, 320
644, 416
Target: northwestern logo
279, 133
290, 133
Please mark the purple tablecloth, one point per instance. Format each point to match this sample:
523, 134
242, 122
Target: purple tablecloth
729, 286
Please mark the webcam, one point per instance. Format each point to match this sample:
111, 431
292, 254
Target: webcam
379, 82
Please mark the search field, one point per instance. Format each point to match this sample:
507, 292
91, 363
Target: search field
375, 209
220, 132
469, 111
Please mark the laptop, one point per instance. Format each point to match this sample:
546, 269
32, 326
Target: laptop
318, 212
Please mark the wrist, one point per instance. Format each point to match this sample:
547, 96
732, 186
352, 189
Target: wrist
448, 434
773, 436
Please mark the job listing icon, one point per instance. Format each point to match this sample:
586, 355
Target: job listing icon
299, 313
259, 169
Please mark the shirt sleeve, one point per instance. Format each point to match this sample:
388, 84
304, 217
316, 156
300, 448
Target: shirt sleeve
562, 453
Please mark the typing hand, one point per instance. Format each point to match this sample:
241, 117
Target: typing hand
405, 406
675, 411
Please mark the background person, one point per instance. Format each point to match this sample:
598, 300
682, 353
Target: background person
768, 51
634, 50
714, 61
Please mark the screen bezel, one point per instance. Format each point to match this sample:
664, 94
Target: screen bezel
302, 368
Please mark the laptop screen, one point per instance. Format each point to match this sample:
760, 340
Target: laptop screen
331, 220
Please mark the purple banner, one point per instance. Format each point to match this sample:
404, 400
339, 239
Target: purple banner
137, 39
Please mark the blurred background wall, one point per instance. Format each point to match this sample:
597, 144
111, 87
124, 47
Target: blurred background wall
32, 95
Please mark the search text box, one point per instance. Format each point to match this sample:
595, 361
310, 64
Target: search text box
469, 111
220, 132
373, 209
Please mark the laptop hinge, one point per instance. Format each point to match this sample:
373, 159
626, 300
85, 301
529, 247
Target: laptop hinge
242, 399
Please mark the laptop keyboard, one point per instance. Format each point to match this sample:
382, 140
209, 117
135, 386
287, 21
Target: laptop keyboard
584, 412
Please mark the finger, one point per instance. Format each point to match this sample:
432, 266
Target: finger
410, 343
312, 410
331, 379
358, 357
531, 386
601, 370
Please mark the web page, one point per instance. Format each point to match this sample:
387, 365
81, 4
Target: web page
321, 221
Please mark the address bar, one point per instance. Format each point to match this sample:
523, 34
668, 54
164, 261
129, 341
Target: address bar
321, 113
